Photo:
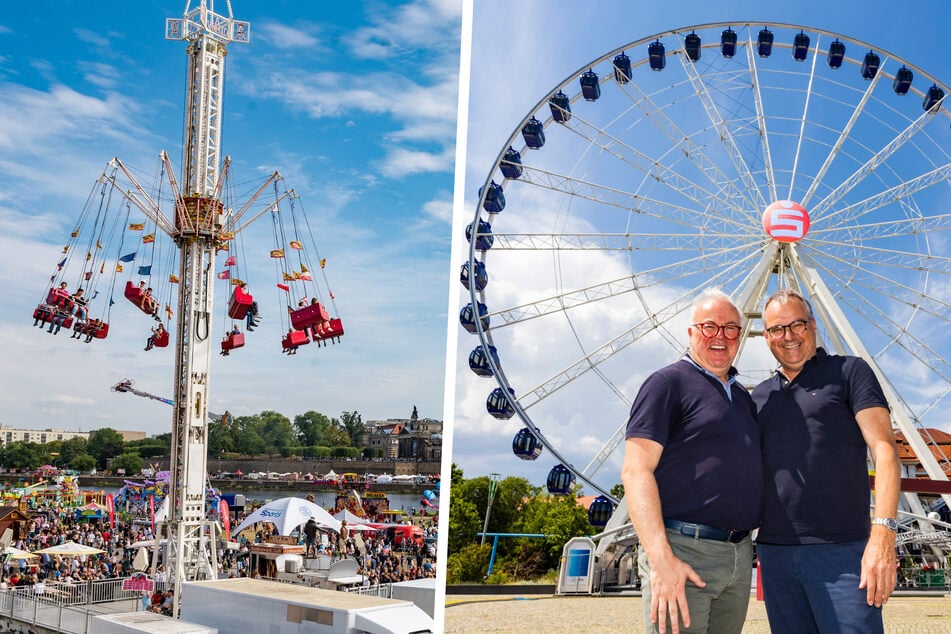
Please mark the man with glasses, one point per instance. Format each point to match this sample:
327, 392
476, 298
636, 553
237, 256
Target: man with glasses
693, 480
825, 566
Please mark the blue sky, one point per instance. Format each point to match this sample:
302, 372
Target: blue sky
354, 103
521, 52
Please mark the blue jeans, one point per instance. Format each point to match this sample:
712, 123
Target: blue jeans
815, 589
727, 569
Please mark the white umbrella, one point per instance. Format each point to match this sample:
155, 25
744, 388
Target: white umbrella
287, 514
16, 553
344, 514
69, 548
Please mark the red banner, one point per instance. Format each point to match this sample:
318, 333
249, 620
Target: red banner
225, 518
111, 507
152, 511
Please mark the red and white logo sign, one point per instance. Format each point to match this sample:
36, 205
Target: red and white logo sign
786, 221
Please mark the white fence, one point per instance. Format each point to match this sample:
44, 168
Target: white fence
68, 607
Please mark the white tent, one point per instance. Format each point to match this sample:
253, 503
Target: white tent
288, 514
344, 514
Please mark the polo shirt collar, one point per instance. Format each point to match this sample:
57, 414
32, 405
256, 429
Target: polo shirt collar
731, 376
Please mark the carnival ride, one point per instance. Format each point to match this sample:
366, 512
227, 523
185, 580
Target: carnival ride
747, 157
125, 387
156, 242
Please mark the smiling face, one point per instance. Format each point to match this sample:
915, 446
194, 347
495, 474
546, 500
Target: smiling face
715, 354
791, 350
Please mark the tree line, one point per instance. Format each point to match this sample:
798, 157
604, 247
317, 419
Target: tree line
518, 507
311, 434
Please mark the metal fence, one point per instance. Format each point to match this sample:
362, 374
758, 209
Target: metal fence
67, 607
384, 590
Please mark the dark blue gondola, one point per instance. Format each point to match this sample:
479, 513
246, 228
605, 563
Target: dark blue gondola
932, 97
836, 54
692, 46
481, 278
656, 55
902, 81
728, 43
870, 65
590, 86
764, 43
622, 68
525, 445
800, 47
484, 237
467, 317
560, 107
511, 164
494, 200
560, 480
600, 510
479, 360
534, 133
498, 405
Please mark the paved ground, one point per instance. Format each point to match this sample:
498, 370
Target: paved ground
469, 614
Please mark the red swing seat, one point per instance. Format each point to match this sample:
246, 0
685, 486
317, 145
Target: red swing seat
99, 329
58, 297
294, 339
161, 341
47, 316
311, 315
136, 295
333, 329
239, 303
232, 341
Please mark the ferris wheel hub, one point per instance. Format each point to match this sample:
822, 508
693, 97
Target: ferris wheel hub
786, 221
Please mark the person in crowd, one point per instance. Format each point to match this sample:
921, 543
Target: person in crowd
825, 566
693, 481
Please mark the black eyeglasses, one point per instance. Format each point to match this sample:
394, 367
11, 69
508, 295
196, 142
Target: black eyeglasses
710, 330
795, 327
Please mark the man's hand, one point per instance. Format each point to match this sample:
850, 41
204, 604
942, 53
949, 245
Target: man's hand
879, 566
668, 593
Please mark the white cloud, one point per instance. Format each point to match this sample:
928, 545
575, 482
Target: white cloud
283, 36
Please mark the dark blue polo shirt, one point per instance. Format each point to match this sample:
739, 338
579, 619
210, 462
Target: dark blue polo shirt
814, 456
710, 471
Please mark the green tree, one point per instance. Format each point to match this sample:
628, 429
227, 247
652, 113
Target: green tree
84, 463
352, 423
69, 449
558, 517
277, 432
104, 444
311, 427
617, 491
247, 435
220, 438
24, 455
130, 462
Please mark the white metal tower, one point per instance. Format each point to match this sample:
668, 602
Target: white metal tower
190, 551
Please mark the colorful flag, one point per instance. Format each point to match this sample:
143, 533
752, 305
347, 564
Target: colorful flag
226, 235
148, 238
98, 244
277, 253
128, 257
323, 263
136, 226
331, 294
173, 279
306, 276
296, 245
59, 267
102, 268
283, 287
296, 275
118, 268
66, 249
145, 270
288, 277
237, 281
87, 275
168, 309
230, 261
222, 246
74, 234
224, 275
88, 256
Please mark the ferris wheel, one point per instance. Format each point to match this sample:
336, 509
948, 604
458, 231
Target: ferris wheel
747, 157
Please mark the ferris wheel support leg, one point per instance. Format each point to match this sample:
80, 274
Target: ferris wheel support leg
835, 318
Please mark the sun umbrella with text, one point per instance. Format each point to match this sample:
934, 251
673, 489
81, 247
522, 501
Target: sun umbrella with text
287, 514
69, 548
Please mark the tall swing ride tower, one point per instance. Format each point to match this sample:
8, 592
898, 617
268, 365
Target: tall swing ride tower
197, 230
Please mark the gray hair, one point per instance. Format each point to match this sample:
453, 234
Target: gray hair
783, 296
712, 294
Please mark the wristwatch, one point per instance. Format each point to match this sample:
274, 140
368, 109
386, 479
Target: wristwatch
888, 522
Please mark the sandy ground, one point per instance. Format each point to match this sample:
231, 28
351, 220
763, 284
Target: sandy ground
470, 614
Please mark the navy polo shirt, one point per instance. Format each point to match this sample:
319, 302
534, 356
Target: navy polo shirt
814, 455
710, 470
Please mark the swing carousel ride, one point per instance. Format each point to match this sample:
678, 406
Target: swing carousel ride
163, 245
